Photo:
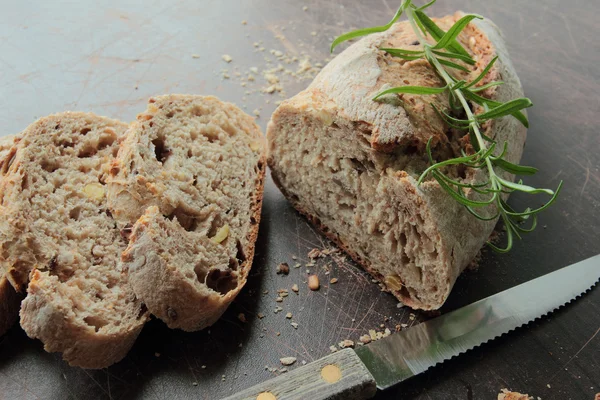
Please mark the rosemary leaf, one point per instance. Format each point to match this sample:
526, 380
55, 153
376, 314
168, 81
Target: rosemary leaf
420, 24
509, 237
517, 218
513, 168
436, 32
409, 55
481, 217
455, 30
452, 65
457, 85
507, 108
483, 73
486, 86
531, 228
411, 90
457, 56
460, 197
402, 51
426, 5
367, 31
452, 161
450, 120
491, 103
542, 208
523, 188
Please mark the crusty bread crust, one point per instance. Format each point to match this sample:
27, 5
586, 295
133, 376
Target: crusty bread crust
9, 305
339, 102
9, 298
171, 258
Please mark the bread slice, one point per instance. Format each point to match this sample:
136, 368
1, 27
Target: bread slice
59, 240
9, 299
350, 164
196, 165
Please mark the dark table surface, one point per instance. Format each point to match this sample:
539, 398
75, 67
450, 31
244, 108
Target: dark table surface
110, 56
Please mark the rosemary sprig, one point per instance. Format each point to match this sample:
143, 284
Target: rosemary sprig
443, 56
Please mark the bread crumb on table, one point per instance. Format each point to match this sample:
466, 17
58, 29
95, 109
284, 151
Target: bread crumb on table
227, 58
365, 339
287, 360
283, 268
508, 395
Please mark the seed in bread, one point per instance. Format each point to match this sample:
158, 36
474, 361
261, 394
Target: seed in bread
351, 164
196, 166
59, 240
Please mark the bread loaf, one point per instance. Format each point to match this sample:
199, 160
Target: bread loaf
9, 299
196, 166
350, 164
59, 241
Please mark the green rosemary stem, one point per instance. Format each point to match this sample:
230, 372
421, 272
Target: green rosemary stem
474, 125
411, 18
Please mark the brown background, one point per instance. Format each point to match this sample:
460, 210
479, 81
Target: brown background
109, 57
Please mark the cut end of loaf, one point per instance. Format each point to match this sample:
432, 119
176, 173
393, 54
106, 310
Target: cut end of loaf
360, 202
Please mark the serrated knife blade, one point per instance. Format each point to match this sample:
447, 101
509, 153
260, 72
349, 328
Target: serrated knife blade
355, 374
400, 356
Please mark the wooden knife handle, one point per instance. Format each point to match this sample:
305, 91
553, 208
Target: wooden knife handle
340, 375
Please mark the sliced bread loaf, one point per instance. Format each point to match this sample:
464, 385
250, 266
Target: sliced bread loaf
196, 165
59, 240
350, 163
9, 299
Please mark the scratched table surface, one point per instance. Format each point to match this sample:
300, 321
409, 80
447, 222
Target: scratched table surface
108, 57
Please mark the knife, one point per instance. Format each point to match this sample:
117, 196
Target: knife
357, 374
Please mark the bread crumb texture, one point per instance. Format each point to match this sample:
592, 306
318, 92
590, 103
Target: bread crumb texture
56, 230
195, 165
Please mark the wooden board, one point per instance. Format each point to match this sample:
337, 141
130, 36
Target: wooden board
109, 57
